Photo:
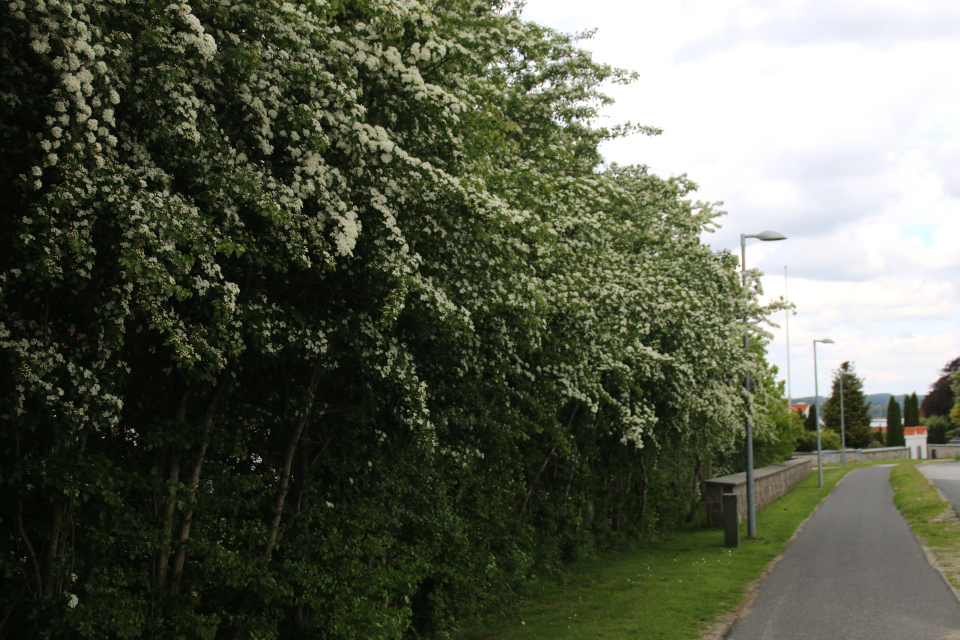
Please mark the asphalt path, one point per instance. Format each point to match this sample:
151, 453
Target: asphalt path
946, 475
854, 571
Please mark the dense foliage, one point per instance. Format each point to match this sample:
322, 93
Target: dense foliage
937, 429
326, 320
955, 388
780, 439
829, 441
941, 398
807, 438
856, 407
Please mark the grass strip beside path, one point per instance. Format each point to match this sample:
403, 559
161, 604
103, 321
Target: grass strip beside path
672, 589
930, 516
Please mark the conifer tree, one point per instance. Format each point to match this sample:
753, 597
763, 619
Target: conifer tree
894, 425
856, 408
810, 422
911, 410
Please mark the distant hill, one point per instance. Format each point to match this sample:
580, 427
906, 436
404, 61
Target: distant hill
878, 402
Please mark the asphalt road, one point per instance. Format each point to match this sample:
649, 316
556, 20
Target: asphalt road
854, 571
946, 475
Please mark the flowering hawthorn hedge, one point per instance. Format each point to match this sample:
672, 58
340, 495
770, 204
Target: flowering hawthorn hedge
326, 320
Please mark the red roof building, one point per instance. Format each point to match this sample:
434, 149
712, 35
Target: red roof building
803, 408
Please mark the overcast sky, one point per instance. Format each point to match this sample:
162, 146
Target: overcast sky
835, 122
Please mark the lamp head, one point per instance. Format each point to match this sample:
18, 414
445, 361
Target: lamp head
826, 341
769, 235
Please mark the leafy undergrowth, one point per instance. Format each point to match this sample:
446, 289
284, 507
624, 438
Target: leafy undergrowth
930, 516
674, 588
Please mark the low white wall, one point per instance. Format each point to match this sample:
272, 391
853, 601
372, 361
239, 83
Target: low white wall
832, 456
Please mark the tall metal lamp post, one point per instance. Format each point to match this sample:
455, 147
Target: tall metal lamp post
786, 298
765, 236
816, 404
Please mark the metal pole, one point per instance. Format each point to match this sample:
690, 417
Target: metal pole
765, 236
843, 433
786, 298
751, 504
816, 405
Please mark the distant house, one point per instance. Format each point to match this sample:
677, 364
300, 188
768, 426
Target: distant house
916, 439
803, 408
879, 424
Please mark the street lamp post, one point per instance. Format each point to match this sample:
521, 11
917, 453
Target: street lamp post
765, 236
816, 404
786, 298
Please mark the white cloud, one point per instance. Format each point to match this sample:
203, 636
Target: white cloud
868, 22
832, 121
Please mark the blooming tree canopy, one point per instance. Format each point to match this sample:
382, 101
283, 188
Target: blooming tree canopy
328, 320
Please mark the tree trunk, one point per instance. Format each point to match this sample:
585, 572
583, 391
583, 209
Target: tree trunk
288, 463
31, 556
695, 489
22, 532
50, 564
170, 501
185, 522
533, 483
643, 491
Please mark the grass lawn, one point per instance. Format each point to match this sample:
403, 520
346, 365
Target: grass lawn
930, 516
671, 589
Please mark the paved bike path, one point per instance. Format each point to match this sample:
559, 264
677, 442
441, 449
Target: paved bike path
854, 571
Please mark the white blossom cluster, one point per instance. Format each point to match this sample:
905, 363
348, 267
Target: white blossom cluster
254, 237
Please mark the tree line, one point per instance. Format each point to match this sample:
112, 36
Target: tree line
328, 320
939, 411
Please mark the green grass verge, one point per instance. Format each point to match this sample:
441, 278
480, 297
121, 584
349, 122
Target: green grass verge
930, 516
671, 589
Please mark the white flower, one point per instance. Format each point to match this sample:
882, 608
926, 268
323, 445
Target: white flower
73, 601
